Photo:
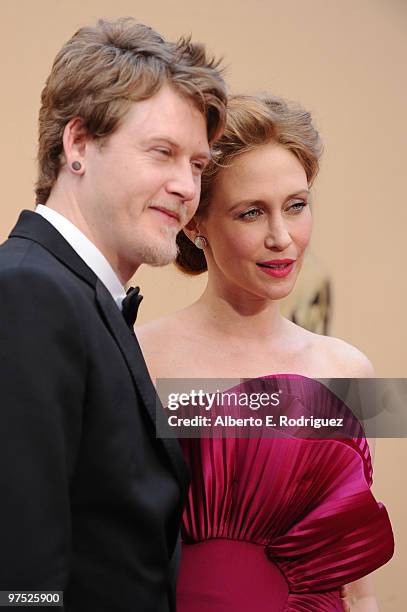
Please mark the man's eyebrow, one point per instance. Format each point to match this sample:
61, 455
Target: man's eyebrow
204, 153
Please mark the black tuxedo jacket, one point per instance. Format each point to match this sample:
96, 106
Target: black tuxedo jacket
91, 500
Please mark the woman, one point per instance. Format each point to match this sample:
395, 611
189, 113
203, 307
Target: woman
280, 524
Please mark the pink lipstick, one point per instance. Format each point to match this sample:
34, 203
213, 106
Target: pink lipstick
278, 268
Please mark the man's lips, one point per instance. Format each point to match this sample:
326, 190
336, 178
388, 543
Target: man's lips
168, 212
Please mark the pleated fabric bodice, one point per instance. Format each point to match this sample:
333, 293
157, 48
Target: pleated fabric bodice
279, 524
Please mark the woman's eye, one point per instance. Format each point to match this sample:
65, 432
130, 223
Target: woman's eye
251, 214
297, 207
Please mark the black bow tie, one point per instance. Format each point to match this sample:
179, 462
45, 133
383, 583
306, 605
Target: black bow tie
130, 305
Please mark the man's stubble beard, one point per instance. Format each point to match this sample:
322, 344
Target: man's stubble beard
160, 252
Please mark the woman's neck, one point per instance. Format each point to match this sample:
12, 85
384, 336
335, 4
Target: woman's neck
237, 314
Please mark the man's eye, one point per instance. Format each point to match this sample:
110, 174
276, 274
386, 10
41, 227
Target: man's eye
163, 151
200, 166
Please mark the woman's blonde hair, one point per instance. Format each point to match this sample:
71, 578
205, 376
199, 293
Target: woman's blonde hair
252, 121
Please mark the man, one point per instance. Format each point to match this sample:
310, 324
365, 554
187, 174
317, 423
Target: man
91, 499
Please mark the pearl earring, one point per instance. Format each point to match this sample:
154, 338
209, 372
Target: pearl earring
200, 242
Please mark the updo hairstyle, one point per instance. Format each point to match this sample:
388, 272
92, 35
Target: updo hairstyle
252, 121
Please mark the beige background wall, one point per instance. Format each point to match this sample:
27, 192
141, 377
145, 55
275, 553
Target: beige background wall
345, 60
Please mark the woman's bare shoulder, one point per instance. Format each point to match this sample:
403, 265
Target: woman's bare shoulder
346, 360
163, 328
160, 343
330, 356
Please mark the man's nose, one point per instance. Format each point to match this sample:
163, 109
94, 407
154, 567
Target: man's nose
184, 183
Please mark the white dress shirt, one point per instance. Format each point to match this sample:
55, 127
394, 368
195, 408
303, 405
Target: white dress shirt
86, 251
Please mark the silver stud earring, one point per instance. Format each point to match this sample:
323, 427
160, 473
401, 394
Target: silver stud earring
76, 166
200, 242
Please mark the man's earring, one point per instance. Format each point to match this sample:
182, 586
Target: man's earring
200, 242
76, 166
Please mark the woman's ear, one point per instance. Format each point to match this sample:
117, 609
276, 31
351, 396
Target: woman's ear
191, 229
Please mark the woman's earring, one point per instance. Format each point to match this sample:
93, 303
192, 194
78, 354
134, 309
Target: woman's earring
76, 166
200, 242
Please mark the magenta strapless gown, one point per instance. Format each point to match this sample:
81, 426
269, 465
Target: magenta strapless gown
275, 525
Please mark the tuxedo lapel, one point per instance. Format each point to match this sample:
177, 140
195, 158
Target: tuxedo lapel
33, 226
133, 356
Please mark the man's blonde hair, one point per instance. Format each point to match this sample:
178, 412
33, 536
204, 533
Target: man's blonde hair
101, 70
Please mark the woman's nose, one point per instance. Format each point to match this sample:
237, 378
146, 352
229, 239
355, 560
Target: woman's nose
278, 237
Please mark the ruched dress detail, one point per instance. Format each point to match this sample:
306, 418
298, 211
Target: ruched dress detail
279, 524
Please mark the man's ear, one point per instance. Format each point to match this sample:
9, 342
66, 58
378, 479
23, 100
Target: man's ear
74, 139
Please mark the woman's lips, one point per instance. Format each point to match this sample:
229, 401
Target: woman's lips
277, 268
